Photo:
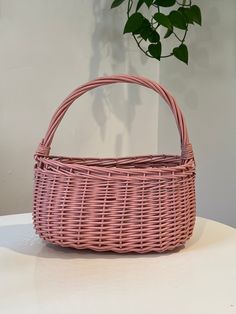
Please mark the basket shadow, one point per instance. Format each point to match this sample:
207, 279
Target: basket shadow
206, 234
198, 231
90, 254
22, 239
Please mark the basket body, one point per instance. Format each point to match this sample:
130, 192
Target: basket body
133, 204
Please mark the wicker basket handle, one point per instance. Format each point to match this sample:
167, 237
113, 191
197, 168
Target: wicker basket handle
186, 148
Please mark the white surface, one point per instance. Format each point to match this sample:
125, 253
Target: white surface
205, 89
47, 49
40, 278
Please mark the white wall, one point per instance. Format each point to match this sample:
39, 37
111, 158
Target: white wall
206, 92
50, 47
47, 49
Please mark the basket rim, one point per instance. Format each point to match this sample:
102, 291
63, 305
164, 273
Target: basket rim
187, 164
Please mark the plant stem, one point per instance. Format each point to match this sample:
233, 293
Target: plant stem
179, 39
166, 56
130, 4
141, 48
182, 41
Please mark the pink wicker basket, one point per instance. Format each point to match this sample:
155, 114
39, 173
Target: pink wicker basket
132, 204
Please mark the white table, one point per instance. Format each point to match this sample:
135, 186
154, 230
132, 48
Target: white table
36, 277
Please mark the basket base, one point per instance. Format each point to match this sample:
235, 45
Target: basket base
121, 249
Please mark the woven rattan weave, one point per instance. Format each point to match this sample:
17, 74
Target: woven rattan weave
133, 204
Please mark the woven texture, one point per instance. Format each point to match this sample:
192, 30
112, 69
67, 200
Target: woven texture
132, 204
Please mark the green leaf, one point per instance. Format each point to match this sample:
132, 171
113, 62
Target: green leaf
147, 32
168, 33
196, 14
153, 37
141, 2
144, 34
144, 29
177, 20
155, 50
148, 3
181, 53
116, 3
134, 23
186, 12
162, 19
165, 3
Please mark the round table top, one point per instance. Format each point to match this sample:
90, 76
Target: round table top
37, 277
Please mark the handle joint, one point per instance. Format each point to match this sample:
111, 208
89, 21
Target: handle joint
43, 150
187, 152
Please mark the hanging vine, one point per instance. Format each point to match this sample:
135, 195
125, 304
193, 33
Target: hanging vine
147, 31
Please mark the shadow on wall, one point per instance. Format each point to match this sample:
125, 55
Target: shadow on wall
200, 41
205, 90
206, 49
111, 55
234, 35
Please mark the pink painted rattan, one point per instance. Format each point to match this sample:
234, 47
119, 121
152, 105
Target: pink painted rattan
132, 204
